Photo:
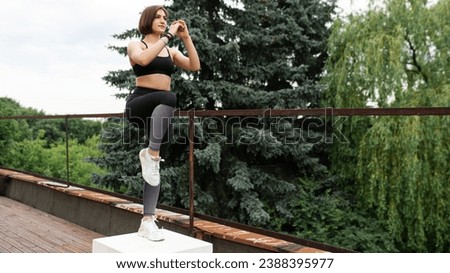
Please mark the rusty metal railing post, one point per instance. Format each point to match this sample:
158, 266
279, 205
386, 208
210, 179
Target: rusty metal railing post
67, 149
191, 170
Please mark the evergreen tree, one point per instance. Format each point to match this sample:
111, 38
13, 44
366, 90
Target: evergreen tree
254, 54
397, 56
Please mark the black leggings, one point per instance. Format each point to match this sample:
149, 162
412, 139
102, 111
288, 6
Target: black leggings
152, 110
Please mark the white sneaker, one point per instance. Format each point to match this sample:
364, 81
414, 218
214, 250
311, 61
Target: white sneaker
150, 230
150, 167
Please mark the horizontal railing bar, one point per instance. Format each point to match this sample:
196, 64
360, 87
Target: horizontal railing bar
323, 112
111, 115
414, 111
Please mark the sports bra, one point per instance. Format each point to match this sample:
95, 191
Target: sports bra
160, 65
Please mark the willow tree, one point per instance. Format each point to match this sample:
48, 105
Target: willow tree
397, 56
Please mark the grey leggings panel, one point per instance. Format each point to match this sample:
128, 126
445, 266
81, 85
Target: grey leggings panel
159, 124
151, 195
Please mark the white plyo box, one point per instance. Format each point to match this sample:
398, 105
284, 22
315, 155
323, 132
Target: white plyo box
133, 243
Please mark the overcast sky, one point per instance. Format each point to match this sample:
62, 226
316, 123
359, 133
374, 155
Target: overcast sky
53, 52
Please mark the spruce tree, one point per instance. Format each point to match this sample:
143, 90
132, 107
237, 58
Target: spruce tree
254, 54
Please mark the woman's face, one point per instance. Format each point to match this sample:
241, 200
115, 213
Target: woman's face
160, 22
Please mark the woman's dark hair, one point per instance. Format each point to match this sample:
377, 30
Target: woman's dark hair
147, 17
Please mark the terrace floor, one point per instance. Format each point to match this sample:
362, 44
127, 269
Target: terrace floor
22, 228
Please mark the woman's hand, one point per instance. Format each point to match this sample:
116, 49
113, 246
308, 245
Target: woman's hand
174, 28
182, 30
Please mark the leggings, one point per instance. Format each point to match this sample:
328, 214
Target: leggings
152, 111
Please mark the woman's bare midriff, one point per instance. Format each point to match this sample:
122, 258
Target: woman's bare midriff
154, 81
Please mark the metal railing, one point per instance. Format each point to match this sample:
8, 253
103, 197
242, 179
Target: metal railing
192, 114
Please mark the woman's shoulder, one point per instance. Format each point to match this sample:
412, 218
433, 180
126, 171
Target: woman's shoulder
136, 43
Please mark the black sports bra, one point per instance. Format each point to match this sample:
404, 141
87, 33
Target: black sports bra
160, 65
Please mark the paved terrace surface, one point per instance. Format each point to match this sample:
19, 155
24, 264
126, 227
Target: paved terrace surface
29, 230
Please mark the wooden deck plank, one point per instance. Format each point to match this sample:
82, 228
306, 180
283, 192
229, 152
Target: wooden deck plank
25, 229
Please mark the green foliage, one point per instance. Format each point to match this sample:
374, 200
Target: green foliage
269, 46
396, 57
55, 129
120, 140
11, 130
326, 215
411, 193
39, 145
36, 156
208, 159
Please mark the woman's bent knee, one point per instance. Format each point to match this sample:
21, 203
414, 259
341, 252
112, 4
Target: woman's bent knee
170, 99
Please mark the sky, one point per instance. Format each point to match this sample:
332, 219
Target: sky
53, 53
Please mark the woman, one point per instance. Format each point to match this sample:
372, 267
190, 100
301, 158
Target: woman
151, 105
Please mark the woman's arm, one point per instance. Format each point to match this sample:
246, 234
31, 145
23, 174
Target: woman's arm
141, 56
192, 62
